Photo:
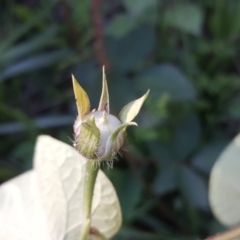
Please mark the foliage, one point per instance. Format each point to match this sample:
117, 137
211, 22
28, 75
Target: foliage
46, 202
186, 52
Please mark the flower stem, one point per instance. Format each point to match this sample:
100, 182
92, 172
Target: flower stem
89, 183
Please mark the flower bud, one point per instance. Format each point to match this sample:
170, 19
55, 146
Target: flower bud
98, 134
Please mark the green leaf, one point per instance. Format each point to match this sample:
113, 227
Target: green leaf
8, 170
138, 7
23, 29
185, 17
193, 188
187, 136
161, 152
165, 78
127, 53
128, 189
207, 156
224, 21
166, 180
224, 189
33, 63
21, 50
41, 122
120, 26
215, 227
121, 89
24, 151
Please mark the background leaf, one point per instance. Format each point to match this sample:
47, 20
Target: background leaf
128, 52
127, 185
120, 26
193, 188
187, 136
205, 158
224, 190
178, 16
139, 6
166, 181
166, 78
32, 63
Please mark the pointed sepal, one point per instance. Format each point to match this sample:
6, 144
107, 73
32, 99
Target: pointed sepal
82, 100
130, 111
104, 100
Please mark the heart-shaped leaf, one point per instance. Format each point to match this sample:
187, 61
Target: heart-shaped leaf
46, 203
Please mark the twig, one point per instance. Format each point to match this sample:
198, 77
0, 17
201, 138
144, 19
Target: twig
99, 34
231, 234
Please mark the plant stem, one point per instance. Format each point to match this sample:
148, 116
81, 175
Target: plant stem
231, 234
89, 183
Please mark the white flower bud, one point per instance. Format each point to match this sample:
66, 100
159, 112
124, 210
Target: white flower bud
98, 134
106, 124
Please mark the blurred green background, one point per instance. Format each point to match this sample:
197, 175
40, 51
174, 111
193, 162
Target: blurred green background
186, 52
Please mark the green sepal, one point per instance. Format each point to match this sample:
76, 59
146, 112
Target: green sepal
115, 141
82, 100
104, 100
88, 140
130, 111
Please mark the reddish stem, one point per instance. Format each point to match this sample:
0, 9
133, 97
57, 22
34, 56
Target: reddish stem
99, 34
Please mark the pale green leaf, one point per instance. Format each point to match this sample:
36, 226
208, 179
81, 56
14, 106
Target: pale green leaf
46, 203
21, 214
130, 111
224, 192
